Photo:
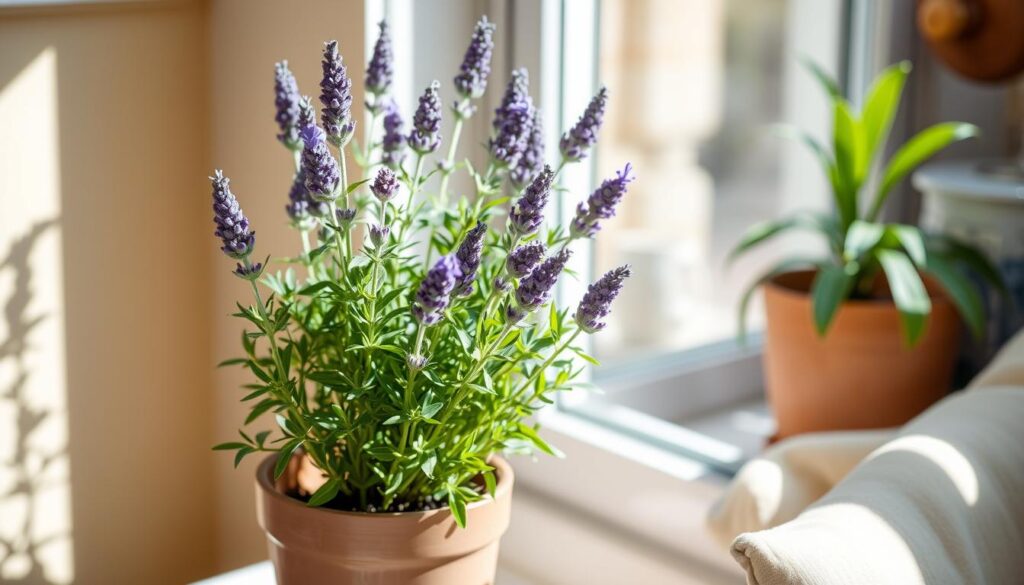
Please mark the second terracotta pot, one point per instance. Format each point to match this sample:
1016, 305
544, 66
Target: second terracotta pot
313, 546
860, 374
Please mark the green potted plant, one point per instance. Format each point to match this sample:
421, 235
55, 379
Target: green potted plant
398, 371
867, 335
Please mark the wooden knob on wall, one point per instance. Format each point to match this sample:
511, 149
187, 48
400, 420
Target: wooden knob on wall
944, 20
979, 39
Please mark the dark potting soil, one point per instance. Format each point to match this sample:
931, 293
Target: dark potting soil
350, 503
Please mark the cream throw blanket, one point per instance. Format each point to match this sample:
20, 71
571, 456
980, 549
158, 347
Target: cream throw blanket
939, 501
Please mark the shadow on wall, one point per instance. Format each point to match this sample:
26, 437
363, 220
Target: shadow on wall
35, 545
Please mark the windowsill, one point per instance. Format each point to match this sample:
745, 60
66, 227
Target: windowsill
641, 505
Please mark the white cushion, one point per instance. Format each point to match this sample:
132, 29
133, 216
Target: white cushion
941, 503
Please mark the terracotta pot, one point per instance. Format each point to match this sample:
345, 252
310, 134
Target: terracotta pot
861, 375
310, 546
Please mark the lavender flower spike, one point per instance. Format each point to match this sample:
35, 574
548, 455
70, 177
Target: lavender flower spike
511, 141
535, 289
521, 261
381, 68
426, 132
393, 143
232, 225
336, 97
600, 205
385, 186
533, 157
435, 291
471, 82
286, 101
516, 92
596, 304
307, 114
577, 141
379, 234
301, 209
318, 166
528, 212
468, 256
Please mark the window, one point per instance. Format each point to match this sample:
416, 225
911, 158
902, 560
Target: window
695, 89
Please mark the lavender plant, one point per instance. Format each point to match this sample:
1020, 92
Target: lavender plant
397, 373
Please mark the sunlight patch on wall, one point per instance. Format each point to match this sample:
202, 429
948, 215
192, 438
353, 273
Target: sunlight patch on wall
35, 488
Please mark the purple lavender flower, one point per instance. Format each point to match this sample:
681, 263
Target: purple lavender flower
471, 82
426, 132
379, 234
435, 291
528, 212
345, 217
248, 271
336, 97
468, 255
307, 114
232, 225
597, 303
286, 100
301, 209
600, 205
380, 70
535, 289
521, 261
532, 160
577, 141
318, 166
393, 144
516, 92
385, 186
511, 141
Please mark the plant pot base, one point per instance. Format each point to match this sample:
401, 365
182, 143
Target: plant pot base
310, 546
861, 374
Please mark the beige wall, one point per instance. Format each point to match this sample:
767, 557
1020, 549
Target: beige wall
118, 166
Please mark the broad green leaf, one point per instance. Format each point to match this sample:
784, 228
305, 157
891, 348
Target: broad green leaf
765, 231
881, 104
910, 238
831, 287
917, 150
861, 237
908, 293
824, 79
229, 446
851, 160
326, 493
957, 251
961, 291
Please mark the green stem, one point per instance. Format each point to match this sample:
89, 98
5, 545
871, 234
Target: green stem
449, 161
282, 377
413, 189
450, 408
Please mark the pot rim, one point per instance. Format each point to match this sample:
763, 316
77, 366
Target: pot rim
505, 480
936, 294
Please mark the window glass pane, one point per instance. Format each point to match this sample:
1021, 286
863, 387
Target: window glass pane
694, 85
